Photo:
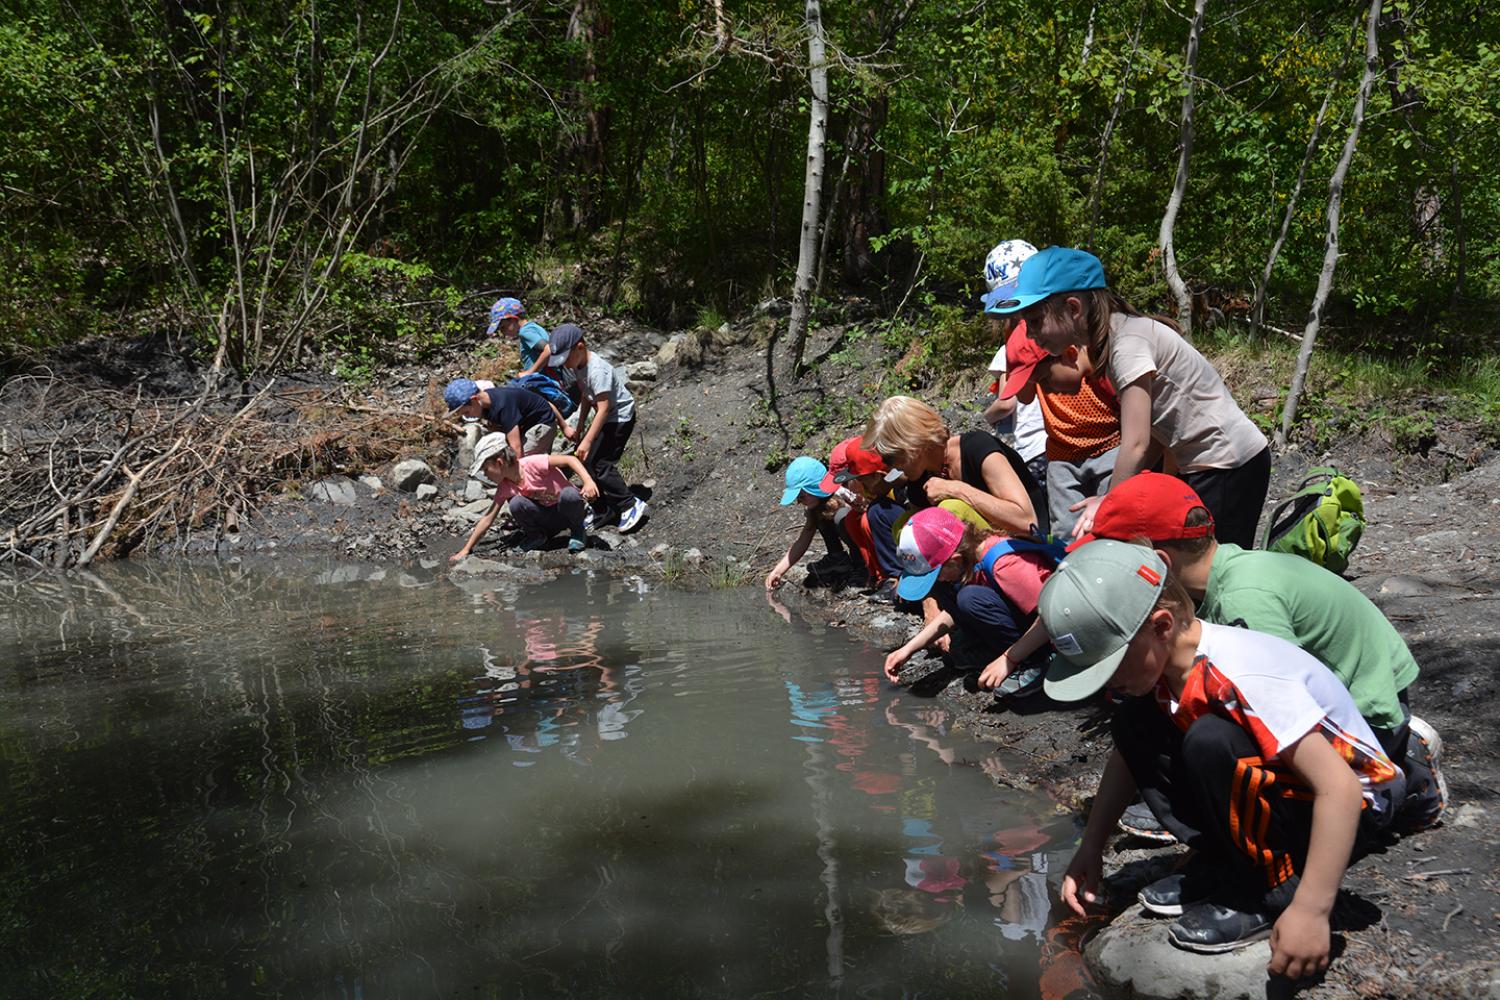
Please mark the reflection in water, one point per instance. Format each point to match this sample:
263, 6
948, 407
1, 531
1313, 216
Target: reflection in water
343, 780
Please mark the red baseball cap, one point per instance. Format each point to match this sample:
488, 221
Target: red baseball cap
1148, 505
850, 460
1022, 355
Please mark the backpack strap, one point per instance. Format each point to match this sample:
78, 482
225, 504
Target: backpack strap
1313, 489
1053, 550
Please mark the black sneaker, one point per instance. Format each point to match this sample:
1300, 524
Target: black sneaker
1170, 896
1139, 821
1212, 928
1426, 788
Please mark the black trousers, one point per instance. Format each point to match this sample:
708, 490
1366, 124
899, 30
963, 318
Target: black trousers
1234, 497
609, 448
1212, 789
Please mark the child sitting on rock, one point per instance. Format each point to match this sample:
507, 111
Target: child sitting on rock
1250, 750
540, 499
808, 485
996, 581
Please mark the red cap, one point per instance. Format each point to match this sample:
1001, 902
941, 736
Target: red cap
849, 460
1022, 355
1148, 505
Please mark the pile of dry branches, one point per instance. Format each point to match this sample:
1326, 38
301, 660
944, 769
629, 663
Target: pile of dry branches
86, 475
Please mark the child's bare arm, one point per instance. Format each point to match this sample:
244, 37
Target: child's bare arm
1299, 940
1085, 872
795, 553
590, 488
540, 363
1135, 448
596, 427
1000, 667
480, 528
940, 623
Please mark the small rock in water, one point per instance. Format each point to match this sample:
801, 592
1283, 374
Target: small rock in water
425, 490
410, 474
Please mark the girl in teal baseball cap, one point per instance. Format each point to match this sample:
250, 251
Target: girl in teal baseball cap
1170, 397
809, 486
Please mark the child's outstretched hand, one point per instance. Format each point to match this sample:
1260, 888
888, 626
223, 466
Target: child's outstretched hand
773, 579
590, 491
459, 556
1085, 522
1299, 943
894, 662
993, 675
1080, 884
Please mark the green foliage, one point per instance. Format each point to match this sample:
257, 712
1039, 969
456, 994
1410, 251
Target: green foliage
382, 309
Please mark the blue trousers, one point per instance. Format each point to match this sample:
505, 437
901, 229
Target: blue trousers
985, 614
883, 514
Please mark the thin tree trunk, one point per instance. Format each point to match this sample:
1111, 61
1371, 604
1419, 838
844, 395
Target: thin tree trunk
1179, 186
1088, 36
1258, 307
831, 217
1335, 202
812, 185
1096, 192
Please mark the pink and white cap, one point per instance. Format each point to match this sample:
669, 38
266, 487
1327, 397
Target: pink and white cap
928, 539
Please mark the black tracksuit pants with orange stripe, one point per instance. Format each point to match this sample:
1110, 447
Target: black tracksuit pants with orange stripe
1211, 788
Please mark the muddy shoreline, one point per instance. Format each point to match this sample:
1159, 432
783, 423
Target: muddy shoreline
717, 424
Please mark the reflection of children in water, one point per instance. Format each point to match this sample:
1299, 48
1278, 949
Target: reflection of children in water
563, 693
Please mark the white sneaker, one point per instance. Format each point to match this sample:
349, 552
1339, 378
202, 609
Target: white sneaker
588, 520
633, 514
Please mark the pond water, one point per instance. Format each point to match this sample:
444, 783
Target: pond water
311, 780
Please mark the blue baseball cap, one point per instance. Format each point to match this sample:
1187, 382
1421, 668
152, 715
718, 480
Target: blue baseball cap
458, 392
804, 475
503, 309
1053, 270
562, 342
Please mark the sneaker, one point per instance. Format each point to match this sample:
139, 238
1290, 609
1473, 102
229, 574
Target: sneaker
1426, 798
1212, 928
1192, 883
578, 541
633, 514
588, 520
1022, 682
1138, 820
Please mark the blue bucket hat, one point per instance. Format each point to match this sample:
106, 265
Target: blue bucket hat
804, 475
563, 340
458, 392
1053, 270
503, 309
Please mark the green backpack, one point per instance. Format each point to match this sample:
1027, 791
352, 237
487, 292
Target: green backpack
1320, 522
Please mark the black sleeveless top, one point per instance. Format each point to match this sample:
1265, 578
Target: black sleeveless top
976, 446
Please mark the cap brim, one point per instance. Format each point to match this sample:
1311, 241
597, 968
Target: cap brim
1005, 306
789, 495
556, 360
493, 327
914, 588
1017, 379
999, 293
1090, 537
829, 484
1068, 681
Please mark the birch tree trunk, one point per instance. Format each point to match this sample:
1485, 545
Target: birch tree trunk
1179, 186
1335, 203
812, 186
1258, 307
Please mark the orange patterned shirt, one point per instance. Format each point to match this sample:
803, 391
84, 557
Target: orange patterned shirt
1079, 426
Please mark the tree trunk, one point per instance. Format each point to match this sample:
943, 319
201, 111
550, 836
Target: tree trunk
864, 220
1258, 307
1335, 202
1179, 186
812, 185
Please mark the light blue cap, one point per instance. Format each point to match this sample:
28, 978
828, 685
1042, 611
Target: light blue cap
1053, 270
804, 475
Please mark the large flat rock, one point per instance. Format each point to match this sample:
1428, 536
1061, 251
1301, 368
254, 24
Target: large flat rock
1132, 957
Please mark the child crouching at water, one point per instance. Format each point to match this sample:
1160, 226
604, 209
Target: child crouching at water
994, 583
540, 498
808, 486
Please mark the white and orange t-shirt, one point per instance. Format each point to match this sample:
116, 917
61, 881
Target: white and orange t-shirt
1278, 694
540, 482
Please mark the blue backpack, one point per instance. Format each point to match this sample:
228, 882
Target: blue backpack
1049, 547
548, 389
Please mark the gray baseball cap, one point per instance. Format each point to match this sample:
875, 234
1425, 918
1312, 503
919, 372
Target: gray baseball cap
1092, 606
564, 338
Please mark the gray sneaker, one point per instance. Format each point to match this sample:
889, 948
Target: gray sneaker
1023, 682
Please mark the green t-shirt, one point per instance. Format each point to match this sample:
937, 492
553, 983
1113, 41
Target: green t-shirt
1323, 613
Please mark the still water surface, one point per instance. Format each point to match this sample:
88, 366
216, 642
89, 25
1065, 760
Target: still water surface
300, 779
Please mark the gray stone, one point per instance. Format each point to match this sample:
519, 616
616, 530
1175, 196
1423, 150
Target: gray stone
410, 474
641, 371
375, 576
669, 351
1405, 586
1469, 816
334, 490
1132, 957
693, 557
1438, 540
661, 550
372, 482
466, 445
474, 490
611, 538
426, 490
773, 307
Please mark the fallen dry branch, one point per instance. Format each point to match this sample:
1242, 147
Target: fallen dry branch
87, 475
